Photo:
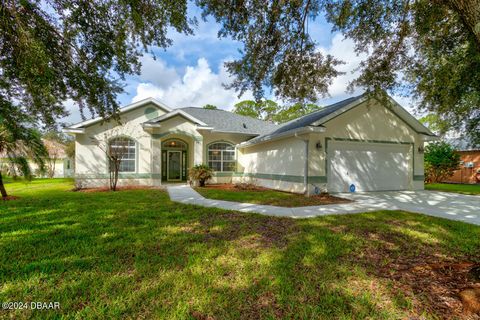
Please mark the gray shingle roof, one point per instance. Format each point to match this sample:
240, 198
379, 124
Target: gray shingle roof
221, 120
308, 119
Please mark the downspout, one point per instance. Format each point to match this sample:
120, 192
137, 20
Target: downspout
305, 177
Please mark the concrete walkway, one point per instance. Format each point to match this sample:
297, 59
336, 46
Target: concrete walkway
440, 204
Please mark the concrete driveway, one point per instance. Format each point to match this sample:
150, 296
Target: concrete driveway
439, 204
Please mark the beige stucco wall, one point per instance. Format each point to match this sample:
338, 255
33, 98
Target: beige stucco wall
366, 122
278, 165
372, 122
91, 161
91, 165
212, 137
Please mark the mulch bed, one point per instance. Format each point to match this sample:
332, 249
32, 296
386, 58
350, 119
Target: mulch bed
235, 187
106, 189
320, 199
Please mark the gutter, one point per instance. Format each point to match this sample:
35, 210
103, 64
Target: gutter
428, 137
74, 130
305, 170
212, 130
283, 135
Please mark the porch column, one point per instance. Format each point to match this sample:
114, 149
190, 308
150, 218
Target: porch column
156, 165
198, 152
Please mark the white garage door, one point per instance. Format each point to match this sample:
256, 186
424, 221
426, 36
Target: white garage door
369, 166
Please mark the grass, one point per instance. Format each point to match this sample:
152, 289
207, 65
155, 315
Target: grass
472, 189
266, 197
135, 254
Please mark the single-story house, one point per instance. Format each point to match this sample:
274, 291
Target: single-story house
358, 143
57, 165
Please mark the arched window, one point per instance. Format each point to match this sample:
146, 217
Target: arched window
174, 144
221, 156
124, 148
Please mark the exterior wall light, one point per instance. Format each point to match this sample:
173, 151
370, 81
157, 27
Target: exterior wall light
318, 146
421, 150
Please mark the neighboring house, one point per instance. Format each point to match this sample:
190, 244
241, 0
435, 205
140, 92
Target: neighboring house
57, 165
356, 141
469, 171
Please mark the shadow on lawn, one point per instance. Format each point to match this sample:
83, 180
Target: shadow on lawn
136, 254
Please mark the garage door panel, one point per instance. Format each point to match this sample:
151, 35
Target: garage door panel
369, 166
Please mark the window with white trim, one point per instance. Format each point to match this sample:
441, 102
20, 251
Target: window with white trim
125, 149
221, 157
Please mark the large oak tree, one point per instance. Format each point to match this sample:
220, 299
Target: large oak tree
428, 49
54, 50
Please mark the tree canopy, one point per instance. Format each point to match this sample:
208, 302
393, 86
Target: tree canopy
55, 50
426, 49
210, 107
269, 110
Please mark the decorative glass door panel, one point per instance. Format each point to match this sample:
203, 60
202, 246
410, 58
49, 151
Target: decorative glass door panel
174, 159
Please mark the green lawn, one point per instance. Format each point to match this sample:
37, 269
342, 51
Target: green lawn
267, 197
135, 254
473, 189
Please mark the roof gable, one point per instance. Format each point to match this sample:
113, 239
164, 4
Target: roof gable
178, 112
220, 121
123, 110
320, 117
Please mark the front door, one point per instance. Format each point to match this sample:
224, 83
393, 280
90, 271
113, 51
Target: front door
174, 165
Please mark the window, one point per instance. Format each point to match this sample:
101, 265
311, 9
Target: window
124, 149
174, 144
221, 156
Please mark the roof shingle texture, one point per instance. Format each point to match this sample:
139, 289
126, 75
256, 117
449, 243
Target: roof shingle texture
308, 119
222, 120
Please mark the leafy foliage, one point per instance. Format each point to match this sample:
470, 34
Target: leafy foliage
56, 50
441, 160
269, 110
200, 173
294, 111
262, 109
210, 107
277, 50
435, 123
425, 49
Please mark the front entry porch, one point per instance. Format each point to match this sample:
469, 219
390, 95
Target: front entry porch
174, 160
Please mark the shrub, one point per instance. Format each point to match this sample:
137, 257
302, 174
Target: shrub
244, 186
441, 160
200, 173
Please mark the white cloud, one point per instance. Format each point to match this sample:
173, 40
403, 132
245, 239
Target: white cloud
198, 86
157, 72
343, 49
73, 112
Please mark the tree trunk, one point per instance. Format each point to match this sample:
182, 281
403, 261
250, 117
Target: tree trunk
469, 11
52, 171
2, 188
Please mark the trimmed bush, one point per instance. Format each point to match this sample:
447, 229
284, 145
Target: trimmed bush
201, 173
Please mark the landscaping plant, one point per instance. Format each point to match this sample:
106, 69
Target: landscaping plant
200, 173
441, 160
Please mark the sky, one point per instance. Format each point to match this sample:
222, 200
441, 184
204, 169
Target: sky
191, 72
